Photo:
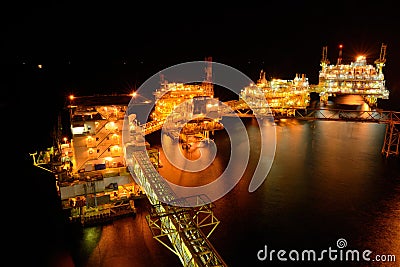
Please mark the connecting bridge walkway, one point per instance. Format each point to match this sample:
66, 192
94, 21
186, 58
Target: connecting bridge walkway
391, 144
184, 225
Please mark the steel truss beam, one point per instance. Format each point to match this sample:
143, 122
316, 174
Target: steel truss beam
187, 230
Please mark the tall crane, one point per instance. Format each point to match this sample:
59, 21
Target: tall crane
380, 62
324, 60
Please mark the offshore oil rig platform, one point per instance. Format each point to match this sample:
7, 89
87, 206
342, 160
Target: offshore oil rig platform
188, 111
99, 175
291, 98
354, 78
282, 96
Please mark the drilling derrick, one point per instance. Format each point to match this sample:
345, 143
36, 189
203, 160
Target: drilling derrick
208, 84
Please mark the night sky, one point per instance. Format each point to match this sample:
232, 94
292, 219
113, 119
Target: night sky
114, 46
283, 37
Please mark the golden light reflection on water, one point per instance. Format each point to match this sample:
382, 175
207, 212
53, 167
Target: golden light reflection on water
186, 178
190, 151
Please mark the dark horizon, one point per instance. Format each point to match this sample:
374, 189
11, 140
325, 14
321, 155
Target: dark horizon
93, 48
282, 37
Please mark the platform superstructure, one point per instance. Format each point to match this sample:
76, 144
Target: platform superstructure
354, 78
281, 95
172, 94
92, 177
186, 110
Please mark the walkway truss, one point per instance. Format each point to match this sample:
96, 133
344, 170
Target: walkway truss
184, 225
391, 142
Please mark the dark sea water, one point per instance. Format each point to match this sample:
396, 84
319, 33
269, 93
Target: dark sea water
328, 181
